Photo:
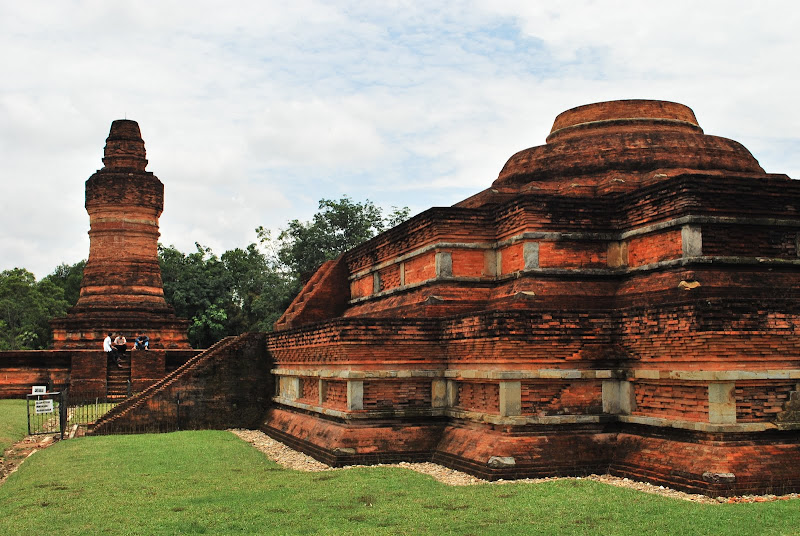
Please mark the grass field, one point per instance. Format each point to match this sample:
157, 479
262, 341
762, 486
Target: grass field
214, 483
13, 423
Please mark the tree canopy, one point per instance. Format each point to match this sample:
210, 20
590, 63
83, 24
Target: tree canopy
241, 290
26, 307
248, 289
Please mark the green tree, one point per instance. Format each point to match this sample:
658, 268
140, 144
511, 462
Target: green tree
338, 226
26, 307
248, 290
238, 292
193, 284
69, 278
259, 291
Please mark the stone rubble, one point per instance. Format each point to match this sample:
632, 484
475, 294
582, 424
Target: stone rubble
292, 459
13, 457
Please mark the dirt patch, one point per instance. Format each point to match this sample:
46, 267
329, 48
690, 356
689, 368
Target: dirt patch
20, 451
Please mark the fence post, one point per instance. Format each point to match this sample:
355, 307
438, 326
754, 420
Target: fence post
62, 411
28, 412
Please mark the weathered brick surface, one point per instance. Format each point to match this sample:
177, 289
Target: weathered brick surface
631, 243
340, 444
654, 247
673, 400
469, 263
761, 401
121, 289
420, 268
551, 397
564, 254
20, 370
482, 397
147, 367
401, 394
309, 390
765, 463
228, 385
335, 395
323, 296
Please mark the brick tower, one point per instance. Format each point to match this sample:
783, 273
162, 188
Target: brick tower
121, 289
623, 298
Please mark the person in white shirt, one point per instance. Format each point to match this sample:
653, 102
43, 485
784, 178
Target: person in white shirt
108, 348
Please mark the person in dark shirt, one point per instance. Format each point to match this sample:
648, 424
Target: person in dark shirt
142, 342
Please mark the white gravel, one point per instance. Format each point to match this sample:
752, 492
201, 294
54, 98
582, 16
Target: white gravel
292, 459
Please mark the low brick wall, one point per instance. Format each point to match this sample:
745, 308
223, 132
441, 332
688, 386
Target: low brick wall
83, 370
19, 370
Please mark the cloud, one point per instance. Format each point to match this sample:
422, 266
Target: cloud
253, 111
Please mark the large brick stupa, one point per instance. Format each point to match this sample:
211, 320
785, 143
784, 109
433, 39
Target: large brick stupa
625, 298
121, 290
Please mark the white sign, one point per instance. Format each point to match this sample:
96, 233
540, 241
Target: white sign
44, 406
39, 389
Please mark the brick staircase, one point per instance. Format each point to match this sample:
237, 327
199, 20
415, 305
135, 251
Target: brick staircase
232, 361
324, 296
118, 379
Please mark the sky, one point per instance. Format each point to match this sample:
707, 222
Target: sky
253, 111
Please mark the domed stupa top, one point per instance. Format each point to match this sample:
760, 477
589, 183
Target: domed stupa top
125, 147
590, 143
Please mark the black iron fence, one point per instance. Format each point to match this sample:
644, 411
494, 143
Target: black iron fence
84, 407
163, 414
46, 413
59, 412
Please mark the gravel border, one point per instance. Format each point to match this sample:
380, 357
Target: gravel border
292, 459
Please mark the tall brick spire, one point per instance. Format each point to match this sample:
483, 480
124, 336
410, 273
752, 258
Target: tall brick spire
125, 147
121, 288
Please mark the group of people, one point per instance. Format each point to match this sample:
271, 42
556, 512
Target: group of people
117, 346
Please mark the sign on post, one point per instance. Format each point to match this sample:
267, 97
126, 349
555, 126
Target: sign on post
44, 406
39, 389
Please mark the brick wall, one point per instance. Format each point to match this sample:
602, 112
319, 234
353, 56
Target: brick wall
568, 254
654, 247
749, 241
361, 287
226, 386
420, 268
20, 370
551, 397
469, 263
397, 394
761, 401
335, 395
482, 397
389, 277
324, 296
512, 258
309, 390
672, 400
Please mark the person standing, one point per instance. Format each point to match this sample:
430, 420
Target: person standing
109, 349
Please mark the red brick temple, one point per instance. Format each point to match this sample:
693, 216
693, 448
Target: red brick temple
121, 290
622, 299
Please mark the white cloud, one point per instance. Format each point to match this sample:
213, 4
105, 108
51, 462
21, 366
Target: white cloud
253, 111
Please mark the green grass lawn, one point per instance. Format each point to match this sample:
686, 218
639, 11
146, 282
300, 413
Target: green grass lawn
214, 483
13, 423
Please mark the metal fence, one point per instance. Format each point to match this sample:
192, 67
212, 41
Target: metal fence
162, 414
57, 412
46, 413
